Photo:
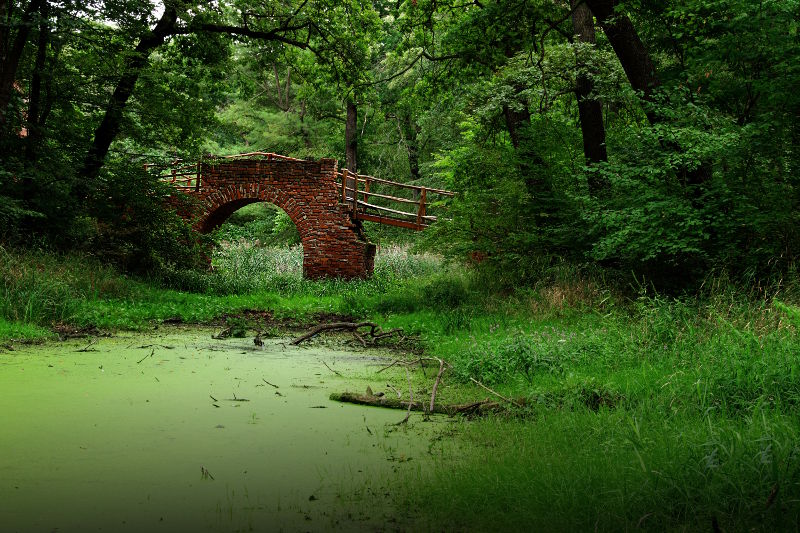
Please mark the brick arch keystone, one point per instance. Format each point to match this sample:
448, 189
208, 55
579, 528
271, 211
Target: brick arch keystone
333, 244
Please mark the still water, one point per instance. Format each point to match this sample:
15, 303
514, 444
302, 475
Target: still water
175, 431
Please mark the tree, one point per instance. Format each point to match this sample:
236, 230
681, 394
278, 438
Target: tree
12, 55
589, 107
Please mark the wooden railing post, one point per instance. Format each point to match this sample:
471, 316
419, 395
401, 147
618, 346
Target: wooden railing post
366, 189
344, 185
421, 211
355, 197
197, 183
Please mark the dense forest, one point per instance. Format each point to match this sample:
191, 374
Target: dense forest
617, 267
656, 138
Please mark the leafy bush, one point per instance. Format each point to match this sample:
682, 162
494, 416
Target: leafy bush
131, 226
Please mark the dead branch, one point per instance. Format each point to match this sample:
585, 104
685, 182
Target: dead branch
481, 407
396, 362
410, 400
375, 332
509, 400
152, 351
436, 384
332, 370
88, 347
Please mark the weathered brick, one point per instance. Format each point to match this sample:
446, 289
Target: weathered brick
333, 244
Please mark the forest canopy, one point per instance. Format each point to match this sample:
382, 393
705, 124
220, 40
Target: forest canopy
658, 138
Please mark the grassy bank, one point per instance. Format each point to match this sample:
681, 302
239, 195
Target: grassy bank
642, 411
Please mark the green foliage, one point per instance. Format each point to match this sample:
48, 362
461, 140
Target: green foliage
792, 313
259, 225
133, 228
14, 331
40, 288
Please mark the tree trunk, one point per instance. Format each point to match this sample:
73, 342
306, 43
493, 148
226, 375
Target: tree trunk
350, 138
109, 127
35, 94
8, 68
351, 145
531, 164
413, 154
5, 22
641, 73
409, 131
47, 100
516, 121
632, 54
590, 109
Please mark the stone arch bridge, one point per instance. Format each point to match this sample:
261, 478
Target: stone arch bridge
326, 205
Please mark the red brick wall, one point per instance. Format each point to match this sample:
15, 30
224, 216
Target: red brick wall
333, 245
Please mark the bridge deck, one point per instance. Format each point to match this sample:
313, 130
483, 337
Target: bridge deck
357, 191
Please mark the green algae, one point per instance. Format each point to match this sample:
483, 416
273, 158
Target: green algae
178, 432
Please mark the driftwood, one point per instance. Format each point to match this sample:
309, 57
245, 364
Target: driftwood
481, 407
375, 332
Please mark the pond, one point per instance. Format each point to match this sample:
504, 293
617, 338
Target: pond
175, 431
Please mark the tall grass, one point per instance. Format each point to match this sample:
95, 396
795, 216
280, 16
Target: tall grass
37, 287
40, 288
655, 413
244, 267
616, 470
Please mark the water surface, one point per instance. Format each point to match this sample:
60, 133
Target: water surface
150, 432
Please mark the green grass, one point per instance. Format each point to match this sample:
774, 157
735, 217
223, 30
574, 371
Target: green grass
15, 331
612, 471
44, 289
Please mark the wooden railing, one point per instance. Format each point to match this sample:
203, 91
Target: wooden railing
356, 191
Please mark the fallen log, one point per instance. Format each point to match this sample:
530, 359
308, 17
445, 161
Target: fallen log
481, 407
375, 331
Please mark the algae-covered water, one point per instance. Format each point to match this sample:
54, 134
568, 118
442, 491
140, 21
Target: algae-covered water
151, 432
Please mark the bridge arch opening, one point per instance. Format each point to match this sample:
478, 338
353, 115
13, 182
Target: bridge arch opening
262, 223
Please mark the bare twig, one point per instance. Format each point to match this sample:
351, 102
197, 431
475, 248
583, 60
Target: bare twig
375, 332
152, 351
332, 370
166, 347
436, 384
88, 347
509, 400
396, 362
270, 384
410, 400
394, 390
360, 339
389, 402
334, 326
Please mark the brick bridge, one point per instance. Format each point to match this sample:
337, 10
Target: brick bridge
326, 205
